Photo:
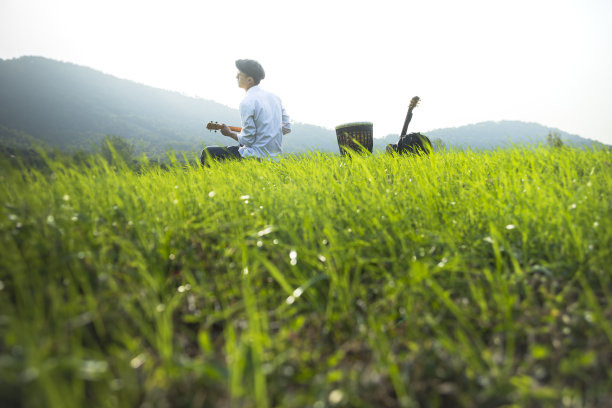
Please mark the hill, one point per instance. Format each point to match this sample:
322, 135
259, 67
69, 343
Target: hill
69, 106
491, 135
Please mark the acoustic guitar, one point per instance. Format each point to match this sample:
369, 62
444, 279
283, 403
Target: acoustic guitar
403, 139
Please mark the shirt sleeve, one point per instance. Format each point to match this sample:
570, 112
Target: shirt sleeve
247, 135
286, 122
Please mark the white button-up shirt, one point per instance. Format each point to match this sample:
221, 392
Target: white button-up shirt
264, 122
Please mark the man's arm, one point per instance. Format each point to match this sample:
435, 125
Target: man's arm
247, 118
286, 122
225, 131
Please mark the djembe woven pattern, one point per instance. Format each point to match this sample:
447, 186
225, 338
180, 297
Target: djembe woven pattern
355, 137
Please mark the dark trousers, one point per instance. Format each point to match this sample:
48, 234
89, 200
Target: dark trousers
219, 153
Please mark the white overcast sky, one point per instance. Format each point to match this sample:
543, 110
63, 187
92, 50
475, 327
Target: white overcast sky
332, 62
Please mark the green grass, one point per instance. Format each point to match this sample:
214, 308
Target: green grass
459, 279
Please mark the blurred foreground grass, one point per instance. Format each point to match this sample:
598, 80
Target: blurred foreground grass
460, 279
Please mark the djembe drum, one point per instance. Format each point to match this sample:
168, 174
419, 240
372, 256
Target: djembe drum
356, 137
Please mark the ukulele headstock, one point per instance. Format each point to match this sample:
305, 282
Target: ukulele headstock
213, 126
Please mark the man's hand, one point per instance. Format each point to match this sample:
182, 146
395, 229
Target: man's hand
225, 131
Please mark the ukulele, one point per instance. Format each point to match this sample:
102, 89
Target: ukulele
216, 126
413, 104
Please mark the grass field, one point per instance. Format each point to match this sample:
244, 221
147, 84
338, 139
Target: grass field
460, 279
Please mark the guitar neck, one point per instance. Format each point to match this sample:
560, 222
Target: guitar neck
406, 123
216, 126
413, 103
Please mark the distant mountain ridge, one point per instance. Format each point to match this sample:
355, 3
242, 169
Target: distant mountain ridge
69, 106
493, 134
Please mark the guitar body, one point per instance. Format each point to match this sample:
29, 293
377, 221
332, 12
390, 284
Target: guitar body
414, 143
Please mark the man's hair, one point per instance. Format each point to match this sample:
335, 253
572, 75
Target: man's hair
251, 68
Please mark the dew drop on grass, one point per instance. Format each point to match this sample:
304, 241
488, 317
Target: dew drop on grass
336, 396
265, 231
288, 371
443, 262
137, 361
91, 369
184, 288
293, 257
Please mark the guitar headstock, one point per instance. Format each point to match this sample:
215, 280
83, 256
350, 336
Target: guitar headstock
413, 103
213, 126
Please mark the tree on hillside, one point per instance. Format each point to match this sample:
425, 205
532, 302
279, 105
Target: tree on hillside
439, 144
554, 140
114, 146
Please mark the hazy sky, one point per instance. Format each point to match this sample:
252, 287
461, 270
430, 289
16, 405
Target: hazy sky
332, 62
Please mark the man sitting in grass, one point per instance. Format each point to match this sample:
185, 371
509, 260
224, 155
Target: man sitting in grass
264, 120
